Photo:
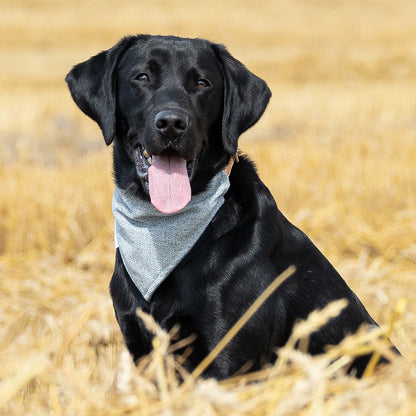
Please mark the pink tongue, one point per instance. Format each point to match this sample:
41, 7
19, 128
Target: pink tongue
169, 186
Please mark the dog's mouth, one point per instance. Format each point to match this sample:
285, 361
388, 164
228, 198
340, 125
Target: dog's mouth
166, 177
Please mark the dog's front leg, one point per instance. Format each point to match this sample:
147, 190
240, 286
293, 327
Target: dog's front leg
126, 300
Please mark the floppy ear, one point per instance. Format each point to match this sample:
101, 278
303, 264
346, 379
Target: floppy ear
245, 98
91, 84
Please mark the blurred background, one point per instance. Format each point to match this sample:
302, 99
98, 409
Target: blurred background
336, 147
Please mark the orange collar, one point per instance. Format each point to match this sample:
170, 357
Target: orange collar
228, 168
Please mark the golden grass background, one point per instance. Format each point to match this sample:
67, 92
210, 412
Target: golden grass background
336, 147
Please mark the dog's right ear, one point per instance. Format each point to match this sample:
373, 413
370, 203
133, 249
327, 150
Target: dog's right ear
91, 84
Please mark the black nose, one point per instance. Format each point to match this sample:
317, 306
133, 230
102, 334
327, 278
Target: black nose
172, 123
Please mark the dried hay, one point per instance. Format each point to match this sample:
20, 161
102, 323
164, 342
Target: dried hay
74, 362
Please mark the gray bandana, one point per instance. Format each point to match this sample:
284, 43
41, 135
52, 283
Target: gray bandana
152, 243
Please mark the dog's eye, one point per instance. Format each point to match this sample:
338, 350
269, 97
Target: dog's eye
202, 83
142, 78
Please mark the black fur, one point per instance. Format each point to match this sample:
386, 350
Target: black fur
247, 244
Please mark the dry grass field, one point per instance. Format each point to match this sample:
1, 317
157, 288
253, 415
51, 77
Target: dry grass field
337, 147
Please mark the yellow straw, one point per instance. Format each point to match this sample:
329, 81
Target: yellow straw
397, 313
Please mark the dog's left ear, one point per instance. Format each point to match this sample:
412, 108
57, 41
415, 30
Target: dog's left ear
91, 84
245, 98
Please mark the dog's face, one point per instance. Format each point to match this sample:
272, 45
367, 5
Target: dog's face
169, 96
174, 107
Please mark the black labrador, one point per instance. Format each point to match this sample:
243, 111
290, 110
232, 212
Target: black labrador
181, 104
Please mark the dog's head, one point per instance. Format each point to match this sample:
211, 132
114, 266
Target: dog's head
174, 108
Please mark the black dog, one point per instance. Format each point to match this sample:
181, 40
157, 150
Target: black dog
175, 109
